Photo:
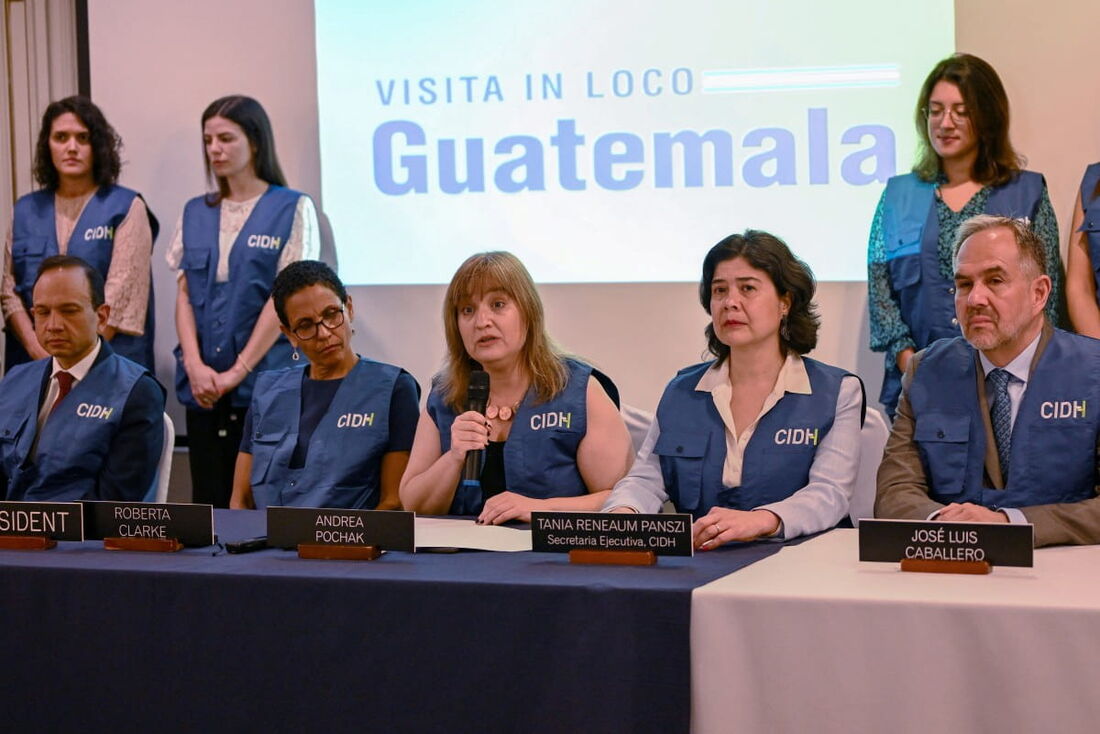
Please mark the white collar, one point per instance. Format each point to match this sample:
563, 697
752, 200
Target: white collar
792, 377
79, 370
1020, 367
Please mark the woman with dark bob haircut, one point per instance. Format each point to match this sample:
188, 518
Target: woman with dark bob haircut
229, 244
966, 165
761, 441
336, 431
551, 433
81, 211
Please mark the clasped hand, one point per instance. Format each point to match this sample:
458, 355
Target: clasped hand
208, 385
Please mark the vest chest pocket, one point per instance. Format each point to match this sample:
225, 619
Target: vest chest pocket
265, 454
27, 253
195, 265
11, 428
943, 440
682, 456
904, 271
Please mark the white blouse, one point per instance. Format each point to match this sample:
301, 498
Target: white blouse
304, 242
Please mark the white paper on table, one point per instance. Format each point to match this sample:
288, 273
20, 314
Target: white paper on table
441, 532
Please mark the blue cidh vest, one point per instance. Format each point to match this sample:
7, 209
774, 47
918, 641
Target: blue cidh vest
1090, 203
1053, 455
34, 238
225, 313
540, 455
692, 443
75, 439
344, 461
911, 231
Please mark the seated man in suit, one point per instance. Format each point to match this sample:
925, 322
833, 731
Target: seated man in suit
84, 423
1001, 424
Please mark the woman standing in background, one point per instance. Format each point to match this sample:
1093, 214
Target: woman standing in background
1083, 259
228, 247
965, 166
81, 211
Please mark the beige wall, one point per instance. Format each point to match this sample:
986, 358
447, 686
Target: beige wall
1044, 52
154, 80
155, 66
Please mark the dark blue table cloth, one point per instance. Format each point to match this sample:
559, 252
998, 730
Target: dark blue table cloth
95, 640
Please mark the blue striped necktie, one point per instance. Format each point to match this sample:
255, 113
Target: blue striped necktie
1000, 413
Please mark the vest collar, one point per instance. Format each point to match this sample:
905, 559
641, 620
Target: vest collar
792, 378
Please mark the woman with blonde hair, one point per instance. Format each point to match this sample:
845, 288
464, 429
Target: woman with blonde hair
552, 435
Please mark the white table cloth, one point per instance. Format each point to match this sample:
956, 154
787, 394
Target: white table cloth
812, 640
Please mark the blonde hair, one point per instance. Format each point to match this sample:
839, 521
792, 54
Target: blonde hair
541, 357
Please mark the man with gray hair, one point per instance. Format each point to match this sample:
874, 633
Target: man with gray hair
1003, 423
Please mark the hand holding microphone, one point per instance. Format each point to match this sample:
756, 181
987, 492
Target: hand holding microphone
470, 431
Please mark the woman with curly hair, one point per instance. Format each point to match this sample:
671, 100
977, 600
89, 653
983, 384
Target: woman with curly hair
761, 441
81, 211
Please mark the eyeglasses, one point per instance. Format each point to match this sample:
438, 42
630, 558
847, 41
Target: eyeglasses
935, 113
331, 318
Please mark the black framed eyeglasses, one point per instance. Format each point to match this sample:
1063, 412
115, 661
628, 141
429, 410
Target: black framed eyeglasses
331, 318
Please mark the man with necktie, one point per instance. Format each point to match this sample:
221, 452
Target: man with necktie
85, 423
1001, 424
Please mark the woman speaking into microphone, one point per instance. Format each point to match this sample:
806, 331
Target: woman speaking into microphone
551, 433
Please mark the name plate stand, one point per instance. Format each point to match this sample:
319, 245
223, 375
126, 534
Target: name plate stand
26, 542
600, 538
322, 552
39, 525
148, 527
340, 535
155, 545
585, 556
932, 546
917, 565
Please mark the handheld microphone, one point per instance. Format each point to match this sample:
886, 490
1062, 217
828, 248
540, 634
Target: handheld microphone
477, 398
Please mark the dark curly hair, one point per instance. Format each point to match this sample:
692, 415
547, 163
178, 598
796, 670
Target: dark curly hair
105, 142
790, 276
987, 109
302, 274
250, 116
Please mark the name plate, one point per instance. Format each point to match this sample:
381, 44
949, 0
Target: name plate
191, 525
561, 532
287, 527
57, 520
998, 544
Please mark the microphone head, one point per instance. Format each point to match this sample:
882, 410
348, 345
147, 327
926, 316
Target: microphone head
477, 393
